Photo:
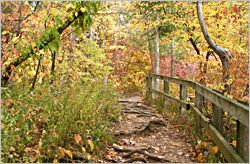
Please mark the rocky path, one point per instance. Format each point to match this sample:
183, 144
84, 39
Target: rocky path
143, 135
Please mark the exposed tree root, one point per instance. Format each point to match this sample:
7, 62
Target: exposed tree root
118, 148
143, 115
129, 101
136, 159
159, 122
130, 110
111, 160
140, 151
146, 154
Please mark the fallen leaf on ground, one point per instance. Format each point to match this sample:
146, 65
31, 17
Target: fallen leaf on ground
68, 153
78, 138
91, 145
55, 161
200, 156
83, 149
197, 147
204, 144
215, 149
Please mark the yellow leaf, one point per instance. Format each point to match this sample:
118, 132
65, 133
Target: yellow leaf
53, 11
88, 156
5, 32
55, 161
83, 150
200, 156
234, 143
78, 138
61, 153
33, 44
14, 40
68, 153
69, 6
40, 142
76, 14
215, 149
91, 145
44, 12
42, 74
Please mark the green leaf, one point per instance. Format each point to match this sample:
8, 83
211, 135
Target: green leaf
83, 9
58, 20
230, 5
45, 18
71, 18
46, 36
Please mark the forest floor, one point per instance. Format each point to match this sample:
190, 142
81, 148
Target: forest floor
144, 135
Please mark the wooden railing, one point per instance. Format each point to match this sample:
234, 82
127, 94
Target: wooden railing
214, 127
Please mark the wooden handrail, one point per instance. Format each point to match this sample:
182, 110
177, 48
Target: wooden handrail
235, 109
214, 127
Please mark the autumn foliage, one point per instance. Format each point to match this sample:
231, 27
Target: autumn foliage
62, 63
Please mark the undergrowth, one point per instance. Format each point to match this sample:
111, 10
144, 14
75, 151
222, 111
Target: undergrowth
50, 125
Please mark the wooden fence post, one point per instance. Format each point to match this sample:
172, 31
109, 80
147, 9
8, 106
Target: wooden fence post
166, 90
198, 104
149, 86
242, 141
218, 118
183, 96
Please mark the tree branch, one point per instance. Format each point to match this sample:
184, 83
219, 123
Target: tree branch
223, 53
194, 45
32, 51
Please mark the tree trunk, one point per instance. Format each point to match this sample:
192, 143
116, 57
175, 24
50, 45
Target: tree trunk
172, 56
151, 52
37, 70
157, 53
172, 46
223, 53
91, 33
53, 56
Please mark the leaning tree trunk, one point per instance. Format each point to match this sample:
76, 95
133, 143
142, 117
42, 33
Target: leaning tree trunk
223, 53
31, 51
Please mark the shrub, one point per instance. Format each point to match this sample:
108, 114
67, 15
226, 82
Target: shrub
52, 123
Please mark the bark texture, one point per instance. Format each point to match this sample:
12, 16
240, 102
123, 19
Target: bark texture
157, 53
172, 56
223, 53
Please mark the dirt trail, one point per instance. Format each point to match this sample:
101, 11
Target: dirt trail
143, 135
